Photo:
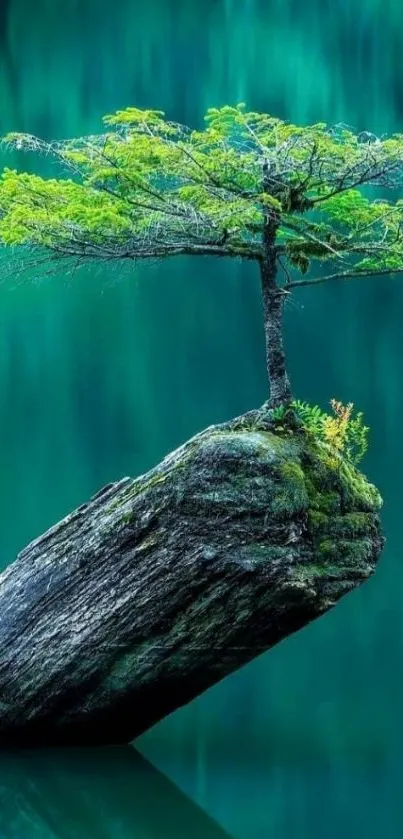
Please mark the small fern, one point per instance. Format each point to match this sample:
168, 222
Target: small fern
341, 430
278, 413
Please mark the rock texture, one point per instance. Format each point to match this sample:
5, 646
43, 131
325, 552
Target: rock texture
159, 587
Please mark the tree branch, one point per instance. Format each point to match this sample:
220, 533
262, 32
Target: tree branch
345, 275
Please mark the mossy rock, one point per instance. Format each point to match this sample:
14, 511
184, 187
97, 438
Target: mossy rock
321, 514
291, 504
160, 586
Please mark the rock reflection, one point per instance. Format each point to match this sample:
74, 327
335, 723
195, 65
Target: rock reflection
109, 793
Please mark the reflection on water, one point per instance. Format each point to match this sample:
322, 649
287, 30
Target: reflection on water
287, 798
116, 793
95, 794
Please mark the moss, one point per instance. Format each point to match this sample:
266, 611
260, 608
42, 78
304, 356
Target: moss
329, 502
309, 476
345, 552
326, 548
314, 570
357, 491
351, 524
291, 497
347, 526
333, 482
341, 506
317, 521
292, 473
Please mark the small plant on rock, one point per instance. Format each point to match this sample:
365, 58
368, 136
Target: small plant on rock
341, 430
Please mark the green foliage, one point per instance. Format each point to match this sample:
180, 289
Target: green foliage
149, 187
341, 431
311, 416
278, 413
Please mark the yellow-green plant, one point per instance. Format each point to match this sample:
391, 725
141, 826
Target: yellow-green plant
343, 431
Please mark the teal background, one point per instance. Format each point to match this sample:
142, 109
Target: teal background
104, 371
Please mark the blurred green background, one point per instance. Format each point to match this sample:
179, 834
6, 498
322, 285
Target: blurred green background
104, 371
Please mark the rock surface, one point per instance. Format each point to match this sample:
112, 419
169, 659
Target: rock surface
159, 587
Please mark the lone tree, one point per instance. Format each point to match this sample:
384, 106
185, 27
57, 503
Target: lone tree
248, 186
159, 587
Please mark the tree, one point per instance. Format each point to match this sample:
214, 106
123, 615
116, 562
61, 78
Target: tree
157, 588
248, 186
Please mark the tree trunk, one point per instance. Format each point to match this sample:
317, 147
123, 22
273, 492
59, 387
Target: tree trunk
273, 304
159, 587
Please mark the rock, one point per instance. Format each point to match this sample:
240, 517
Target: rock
159, 587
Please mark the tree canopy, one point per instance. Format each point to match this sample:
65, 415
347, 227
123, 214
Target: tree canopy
147, 187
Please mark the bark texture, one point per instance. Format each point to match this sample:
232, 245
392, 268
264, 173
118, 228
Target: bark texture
273, 304
159, 587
